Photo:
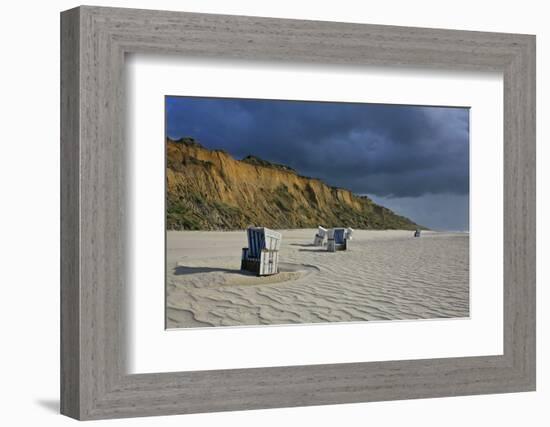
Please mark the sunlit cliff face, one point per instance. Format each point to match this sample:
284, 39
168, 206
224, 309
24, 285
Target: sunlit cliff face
211, 190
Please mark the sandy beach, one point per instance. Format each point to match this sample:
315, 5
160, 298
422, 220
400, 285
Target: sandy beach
385, 275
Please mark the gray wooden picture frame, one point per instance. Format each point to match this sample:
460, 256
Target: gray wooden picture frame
94, 381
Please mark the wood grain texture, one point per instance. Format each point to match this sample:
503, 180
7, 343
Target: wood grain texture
70, 292
94, 382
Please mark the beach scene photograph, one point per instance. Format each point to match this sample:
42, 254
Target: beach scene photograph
284, 212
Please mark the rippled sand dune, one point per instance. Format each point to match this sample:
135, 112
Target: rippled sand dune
386, 275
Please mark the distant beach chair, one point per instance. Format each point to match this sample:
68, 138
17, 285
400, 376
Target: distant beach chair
262, 255
417, 233
338, 239
319, 239
348, 234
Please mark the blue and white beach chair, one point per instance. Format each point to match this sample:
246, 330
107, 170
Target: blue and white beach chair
338, 239
319, 239
262, 255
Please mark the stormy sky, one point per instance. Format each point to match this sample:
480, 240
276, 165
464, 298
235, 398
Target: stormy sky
411, 159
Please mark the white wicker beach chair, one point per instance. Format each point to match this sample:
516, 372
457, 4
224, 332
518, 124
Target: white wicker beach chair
319, 239
262, 255
337, 239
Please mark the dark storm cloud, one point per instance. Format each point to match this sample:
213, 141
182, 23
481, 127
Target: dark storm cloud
383, 150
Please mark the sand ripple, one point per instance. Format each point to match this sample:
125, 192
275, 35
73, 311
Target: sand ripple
387, 275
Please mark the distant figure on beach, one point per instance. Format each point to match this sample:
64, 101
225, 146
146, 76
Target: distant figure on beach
262, 255
417, 233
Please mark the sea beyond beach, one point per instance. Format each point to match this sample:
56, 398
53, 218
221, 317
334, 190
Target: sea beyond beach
385, 275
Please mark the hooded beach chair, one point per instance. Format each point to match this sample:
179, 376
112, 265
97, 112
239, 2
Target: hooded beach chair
338, 239
417, 233
262, 255
319, 239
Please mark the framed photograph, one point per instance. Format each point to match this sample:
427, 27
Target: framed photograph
262, 213
365, 263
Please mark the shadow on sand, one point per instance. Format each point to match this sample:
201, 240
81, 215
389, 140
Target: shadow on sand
284, 267
181, 270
